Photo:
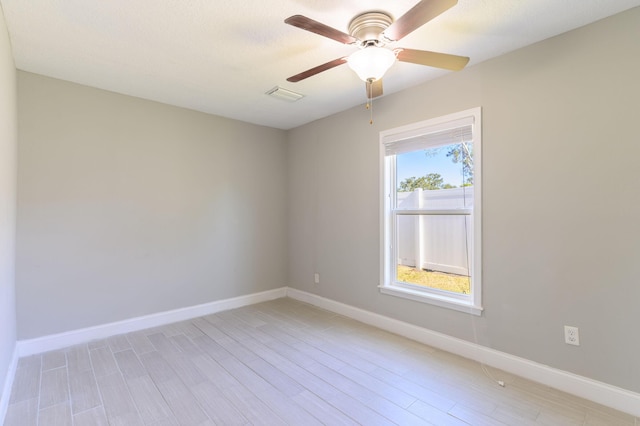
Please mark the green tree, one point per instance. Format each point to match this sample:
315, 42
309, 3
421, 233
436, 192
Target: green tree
463, 153
429, 182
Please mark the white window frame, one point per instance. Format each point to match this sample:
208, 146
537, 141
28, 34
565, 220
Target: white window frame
404, 136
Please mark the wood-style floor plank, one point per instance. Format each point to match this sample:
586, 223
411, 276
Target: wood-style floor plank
279, 363
22, 413
53, 359
118, 404
83, 391
26, 383
92, 417
56, 415
148, 399
54, 387
140, 343
103, 361
182, 403
78, 358
218, 408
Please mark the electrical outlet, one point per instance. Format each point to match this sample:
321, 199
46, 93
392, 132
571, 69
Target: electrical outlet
316, 278
571, 335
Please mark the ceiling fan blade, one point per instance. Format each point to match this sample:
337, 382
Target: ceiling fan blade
309, 24
432, 59
416, 17
317, 70
374, 89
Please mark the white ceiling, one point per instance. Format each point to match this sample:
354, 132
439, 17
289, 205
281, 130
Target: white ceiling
221, 56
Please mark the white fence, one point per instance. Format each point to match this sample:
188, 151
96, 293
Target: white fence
436, 242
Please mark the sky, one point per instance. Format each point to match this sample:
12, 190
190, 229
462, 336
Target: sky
418, 163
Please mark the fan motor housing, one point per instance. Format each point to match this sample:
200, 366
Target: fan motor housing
368, 27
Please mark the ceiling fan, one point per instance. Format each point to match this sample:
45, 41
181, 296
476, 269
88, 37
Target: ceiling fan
372, 32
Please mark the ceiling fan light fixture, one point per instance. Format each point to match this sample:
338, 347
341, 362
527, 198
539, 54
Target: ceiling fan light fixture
371, 62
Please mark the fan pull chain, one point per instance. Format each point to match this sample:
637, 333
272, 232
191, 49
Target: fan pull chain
370, 101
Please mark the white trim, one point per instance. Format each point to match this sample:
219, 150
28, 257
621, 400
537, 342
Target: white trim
434, 212
599, 392
74, 337
8, 385
432, 299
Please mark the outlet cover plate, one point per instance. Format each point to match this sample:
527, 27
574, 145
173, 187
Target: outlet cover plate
571, 335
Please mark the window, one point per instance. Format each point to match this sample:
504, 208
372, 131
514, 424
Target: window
431, 181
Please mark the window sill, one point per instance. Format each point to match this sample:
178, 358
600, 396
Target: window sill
432, 299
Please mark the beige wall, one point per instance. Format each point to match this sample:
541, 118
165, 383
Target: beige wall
560, 196
8, 143
128, 207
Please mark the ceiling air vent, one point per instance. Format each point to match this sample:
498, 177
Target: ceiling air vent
284, 94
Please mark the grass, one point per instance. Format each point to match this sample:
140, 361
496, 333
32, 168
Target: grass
433, 279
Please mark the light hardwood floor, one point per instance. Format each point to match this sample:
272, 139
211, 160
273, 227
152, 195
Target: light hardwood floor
275, 363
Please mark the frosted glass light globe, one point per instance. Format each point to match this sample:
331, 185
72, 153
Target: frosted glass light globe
371, 62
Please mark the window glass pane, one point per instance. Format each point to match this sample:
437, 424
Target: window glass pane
435, 251
439, 168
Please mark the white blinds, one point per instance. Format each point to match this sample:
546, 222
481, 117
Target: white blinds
446, 133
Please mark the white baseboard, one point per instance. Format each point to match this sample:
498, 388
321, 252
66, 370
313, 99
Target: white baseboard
74, 337
599, 392
8, 385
